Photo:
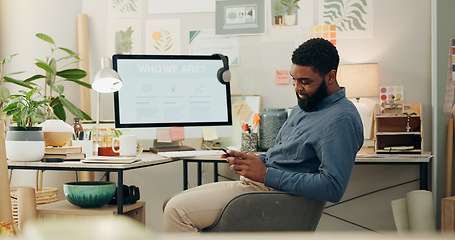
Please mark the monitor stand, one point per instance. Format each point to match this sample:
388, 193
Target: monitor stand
167, 147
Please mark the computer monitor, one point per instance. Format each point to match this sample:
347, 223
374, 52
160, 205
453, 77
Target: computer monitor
162, 91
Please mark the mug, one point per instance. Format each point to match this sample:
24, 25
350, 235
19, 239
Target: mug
129, 146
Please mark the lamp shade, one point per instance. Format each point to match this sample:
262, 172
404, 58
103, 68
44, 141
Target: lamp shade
360, 80
106, 79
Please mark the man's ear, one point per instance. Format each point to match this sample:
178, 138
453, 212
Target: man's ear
331, 76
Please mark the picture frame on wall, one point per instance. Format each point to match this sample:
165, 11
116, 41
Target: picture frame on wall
240, 17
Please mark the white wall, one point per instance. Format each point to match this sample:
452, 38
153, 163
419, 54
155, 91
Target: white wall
401, 47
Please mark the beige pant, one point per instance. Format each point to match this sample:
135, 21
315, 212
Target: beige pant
199, 207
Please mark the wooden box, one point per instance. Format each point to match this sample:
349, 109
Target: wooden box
448, 214
64, 208
399, 133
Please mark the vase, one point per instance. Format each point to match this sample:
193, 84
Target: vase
24, 144
56, 132
270, 123
289, 19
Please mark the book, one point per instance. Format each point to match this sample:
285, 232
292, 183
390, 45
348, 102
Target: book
63, 150
65, 157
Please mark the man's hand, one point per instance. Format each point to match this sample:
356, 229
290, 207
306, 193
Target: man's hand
246, 164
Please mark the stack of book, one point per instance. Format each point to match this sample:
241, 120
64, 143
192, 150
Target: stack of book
65, 153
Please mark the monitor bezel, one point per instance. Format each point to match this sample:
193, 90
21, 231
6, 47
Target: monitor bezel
118, 124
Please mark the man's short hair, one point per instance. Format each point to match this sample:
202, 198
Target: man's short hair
317, 53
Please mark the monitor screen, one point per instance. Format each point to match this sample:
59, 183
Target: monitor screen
171, 91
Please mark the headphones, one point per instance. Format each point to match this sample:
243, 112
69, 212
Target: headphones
223, 75
130, 195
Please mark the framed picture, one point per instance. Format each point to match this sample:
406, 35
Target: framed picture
240, 17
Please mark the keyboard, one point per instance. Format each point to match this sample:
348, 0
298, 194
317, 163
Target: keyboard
196, 153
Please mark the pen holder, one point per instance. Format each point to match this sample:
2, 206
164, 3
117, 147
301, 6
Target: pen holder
249, 142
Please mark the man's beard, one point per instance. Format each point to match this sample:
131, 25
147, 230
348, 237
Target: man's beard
311, 101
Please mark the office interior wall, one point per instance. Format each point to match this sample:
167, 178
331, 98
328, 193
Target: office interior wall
401, 47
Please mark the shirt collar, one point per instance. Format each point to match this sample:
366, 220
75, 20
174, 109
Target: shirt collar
329, 100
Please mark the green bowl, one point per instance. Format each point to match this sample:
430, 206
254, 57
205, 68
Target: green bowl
89, 194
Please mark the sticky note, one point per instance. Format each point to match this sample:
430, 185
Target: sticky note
282, 77
177, 133
209, 133
163, 135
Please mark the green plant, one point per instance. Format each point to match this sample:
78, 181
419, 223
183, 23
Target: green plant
26, 108
4, 91
278, 8
53, 76
290, 5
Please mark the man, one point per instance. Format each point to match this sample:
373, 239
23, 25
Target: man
314, 152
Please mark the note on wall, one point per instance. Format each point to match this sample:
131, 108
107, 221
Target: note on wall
282, 77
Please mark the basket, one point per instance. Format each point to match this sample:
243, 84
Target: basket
46, 195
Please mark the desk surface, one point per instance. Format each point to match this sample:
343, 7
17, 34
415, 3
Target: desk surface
147, 159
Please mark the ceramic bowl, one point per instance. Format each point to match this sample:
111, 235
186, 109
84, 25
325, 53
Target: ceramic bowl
89, 194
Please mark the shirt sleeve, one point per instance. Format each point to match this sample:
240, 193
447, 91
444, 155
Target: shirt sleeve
336, 150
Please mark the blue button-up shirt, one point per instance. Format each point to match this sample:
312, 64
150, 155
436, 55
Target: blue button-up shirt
315, 151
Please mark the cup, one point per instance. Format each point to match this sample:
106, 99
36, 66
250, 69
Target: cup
249, 142
129, 146
87, 146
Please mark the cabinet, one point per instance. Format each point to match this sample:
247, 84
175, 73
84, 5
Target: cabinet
399, 132
65, 209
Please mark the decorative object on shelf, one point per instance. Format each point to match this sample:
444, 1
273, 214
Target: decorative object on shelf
89, 194
270, 123
57, 133
360, 81
291, 7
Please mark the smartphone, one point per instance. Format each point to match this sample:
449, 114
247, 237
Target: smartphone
225, 150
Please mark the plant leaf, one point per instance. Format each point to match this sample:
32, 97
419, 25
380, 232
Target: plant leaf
18, 82
82, 83
58, 109
72, 73
73, 109
45, 37
4, 93
32, 78
44, 66
70, 52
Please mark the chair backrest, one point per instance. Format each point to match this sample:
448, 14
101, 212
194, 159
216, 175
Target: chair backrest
269, 211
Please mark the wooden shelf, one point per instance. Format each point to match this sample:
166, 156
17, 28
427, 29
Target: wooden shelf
65, 209
399, 130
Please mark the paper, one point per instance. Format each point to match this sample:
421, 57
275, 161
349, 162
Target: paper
209, 133
420, 211
163, 135
242, 111
206, 42
400, 215
107, 159
282, 77
177, 133
180, 6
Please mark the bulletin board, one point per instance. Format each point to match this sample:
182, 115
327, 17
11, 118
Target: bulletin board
243, 109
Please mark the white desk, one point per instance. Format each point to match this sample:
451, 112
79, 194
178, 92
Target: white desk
96, 167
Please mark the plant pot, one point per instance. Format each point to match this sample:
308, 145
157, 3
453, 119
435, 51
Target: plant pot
289, 19
57, 133
24, 144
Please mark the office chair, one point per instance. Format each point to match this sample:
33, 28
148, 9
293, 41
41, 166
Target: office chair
268, 211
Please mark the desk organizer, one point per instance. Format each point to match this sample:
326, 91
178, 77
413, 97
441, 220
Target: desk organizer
399, 133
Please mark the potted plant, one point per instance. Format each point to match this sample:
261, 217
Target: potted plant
278, 11
291, 7
55, 73
26, 110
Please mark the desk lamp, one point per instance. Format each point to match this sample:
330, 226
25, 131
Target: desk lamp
360, 80
106, 81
